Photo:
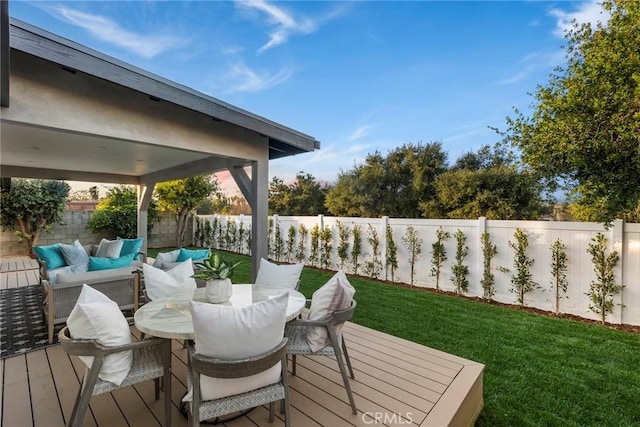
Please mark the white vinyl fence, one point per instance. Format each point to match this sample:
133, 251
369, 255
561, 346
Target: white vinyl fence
622, 238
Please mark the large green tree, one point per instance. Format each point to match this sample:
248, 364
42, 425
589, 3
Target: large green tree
485, 183
117, 213
585, 129
180, 197
32, 206
392, 185
305, 196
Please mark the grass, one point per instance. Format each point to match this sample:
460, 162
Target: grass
538, 370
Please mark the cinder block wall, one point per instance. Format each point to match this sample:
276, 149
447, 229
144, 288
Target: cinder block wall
74, 226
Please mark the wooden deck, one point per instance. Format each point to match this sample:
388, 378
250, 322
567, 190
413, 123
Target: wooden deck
397, 382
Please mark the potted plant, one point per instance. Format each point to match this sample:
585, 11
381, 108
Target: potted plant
217, 274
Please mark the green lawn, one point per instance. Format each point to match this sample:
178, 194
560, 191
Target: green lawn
538, 370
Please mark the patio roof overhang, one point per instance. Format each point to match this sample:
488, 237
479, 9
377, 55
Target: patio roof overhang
71, 113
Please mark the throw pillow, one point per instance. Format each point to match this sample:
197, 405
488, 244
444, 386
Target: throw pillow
229, 332
109, 248
285, 275
194, 254
97, 317
66, 270
131, 246
166, 257
96, 263
334, 295
74, 253
51, 255
175, 282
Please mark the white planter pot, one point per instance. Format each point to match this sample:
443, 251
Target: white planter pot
218, 290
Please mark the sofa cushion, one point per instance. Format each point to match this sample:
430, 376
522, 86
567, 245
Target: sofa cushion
96, 263
74, 253
229, 332
285, 275
194, 254
90, 276
67, 269
109, 248
131, 246
95, 316
166, 257
51, 255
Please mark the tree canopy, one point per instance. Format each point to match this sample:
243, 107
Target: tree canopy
32, 206
117, 213
392, 185
584, 133
485, 183
305, 196
182, 196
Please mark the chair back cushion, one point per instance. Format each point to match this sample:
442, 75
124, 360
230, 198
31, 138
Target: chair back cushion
173, 283
194, 254
97, 317
233, 333
334, 295
166, 257
74, 253
285, 275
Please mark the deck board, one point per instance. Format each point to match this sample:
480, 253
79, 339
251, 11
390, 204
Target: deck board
398, 381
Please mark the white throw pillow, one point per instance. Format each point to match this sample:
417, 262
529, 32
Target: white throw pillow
109, 248
74, 253
175, 282
97, 317
166, 257
285, 275
229, 332
334, 295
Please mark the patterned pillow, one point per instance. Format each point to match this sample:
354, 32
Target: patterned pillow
74, 253
109, 248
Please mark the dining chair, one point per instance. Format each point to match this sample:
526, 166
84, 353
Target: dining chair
296, 331
237, 369
151, 360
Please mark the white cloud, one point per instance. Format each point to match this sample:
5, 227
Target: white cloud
360, 132
589, 12
110, 31
285, 23
241, 78
533, 63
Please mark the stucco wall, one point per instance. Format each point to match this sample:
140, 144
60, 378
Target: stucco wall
73, 227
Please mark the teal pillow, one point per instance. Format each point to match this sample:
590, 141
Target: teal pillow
51, 255
131, 246
194, 254
96, 263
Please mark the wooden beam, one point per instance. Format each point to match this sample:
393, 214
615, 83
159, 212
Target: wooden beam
243, 181
4, 53
144, 199
259, 203
197, 167
66, 175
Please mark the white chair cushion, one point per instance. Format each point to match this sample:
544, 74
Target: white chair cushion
166, 257
334, 295
97, 317
285, 275
109, 248
175, 282
229, 332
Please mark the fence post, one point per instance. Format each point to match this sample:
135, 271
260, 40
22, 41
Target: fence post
617, 235
320, 248
383, 240
482, 228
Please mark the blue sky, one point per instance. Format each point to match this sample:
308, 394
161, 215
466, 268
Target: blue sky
358, 76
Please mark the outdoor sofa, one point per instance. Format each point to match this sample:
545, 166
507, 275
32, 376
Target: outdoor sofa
102, 267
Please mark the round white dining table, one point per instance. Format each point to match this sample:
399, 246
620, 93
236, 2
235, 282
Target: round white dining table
171, 317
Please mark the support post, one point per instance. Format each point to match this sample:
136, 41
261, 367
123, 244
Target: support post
144, 199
